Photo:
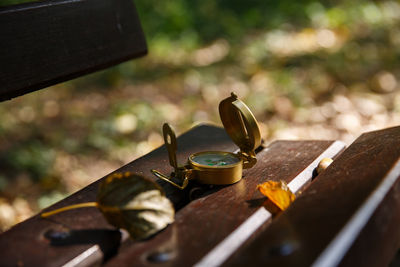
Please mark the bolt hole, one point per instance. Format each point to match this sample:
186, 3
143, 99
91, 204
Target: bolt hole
159, 257
284, 249
57, 235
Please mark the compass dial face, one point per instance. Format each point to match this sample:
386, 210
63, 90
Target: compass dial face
215, 159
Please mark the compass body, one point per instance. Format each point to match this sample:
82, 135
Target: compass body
217, 167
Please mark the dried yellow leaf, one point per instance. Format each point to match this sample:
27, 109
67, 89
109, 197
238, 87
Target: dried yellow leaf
131, 202
134, 203
278, 192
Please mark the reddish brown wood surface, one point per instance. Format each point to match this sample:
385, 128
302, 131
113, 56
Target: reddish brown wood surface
301, 233
205, 222
199, 225
26, 245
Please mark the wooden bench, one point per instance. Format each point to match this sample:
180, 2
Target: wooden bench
47, 42
347, 215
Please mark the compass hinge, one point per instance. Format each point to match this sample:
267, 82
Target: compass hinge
249, 159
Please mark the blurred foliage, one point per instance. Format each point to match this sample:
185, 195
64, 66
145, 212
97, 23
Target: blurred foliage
4, 3
307, 69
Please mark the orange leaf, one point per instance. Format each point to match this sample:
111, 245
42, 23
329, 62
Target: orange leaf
278, 192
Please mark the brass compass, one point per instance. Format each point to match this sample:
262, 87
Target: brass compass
217, 167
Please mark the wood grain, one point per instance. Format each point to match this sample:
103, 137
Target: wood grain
26, 244
44, 43
332, 202
200, 224
205, 222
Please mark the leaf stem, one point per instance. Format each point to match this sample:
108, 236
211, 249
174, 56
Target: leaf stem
71, 207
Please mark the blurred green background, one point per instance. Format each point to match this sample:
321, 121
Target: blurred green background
307, 69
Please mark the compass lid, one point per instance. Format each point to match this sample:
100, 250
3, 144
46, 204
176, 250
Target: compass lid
240, 124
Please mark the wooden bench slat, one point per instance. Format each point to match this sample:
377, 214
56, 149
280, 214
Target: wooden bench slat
44, 43
204, 223
25, 243
339, 202
218, 213
300, 235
